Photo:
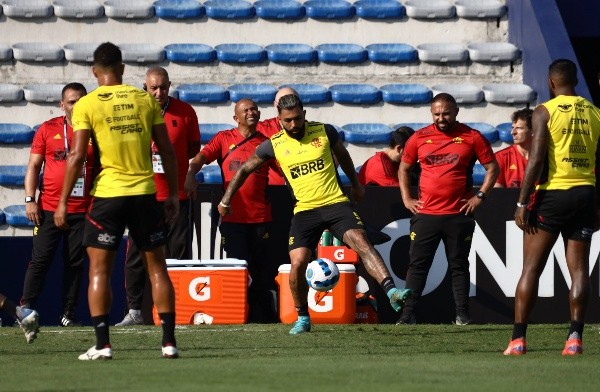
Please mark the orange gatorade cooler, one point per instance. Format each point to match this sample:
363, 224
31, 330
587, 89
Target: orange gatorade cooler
338, 254
337, 306
209, 291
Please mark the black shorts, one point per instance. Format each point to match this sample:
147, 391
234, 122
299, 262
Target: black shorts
571, 212
108, 217
307, 226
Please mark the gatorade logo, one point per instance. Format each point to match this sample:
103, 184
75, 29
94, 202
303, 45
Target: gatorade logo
320, 302
199, 288
339, 254
307, 168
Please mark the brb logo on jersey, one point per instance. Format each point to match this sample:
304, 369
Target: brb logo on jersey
303, 169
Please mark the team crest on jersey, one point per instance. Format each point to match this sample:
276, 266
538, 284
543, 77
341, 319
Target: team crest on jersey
316, 142
458, 140
428, 141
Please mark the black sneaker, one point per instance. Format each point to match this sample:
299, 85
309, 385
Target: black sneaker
66, 321
408, 319
462, 318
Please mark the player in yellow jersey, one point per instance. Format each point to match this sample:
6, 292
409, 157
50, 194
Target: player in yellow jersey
304, 152
563, 162
122, 122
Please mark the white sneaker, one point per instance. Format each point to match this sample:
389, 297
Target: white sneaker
170, 352
29, 323
130, 319
93, 354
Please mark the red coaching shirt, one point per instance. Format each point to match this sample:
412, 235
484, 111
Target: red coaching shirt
447, 161
250, 203
379, 170
49, 141
512, 167
182, 124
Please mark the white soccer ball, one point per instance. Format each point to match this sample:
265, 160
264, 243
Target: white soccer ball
322, 274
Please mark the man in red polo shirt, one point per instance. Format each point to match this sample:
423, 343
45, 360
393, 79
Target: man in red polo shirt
182, 125
245, 233
50, 147
446, 151
513, 159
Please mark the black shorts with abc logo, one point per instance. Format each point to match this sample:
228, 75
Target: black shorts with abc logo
307, 226
107, 218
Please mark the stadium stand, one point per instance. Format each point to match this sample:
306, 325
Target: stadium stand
379, 9
493, 51
355, 93
240, 53
15, 216
279, 9
341, 53
212, 174
207, 131
229, 9
487, 130
50, 92
190, 53
27, 9
178, 9
367, 133
391, 53
508, 93
406, 93
429, 9
131, 9
12, 175
311, 93
10, 93
37, 51
258, 92
463, 93
142, 53
329, 9
80, 52
505, 132
5, 52
78, 9
15, 133
202, 93
291, 53
480, 8
442, 52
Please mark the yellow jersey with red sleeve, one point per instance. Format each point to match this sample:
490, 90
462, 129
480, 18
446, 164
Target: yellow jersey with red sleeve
307, 164
120, 118
574, 127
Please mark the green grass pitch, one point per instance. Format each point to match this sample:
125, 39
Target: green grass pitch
259, 357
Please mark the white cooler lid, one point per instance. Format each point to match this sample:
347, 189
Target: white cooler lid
342, 267
207, 263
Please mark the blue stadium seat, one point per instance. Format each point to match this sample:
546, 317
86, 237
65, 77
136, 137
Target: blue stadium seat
2, 218
80, 52
229, 9
15, 216
379, 9
487, 130
355, 93
508, 93
130, 9
343, 177
202, 93
50, 92
311, 93
478, 174
27, 9
10, 93
6, 52
78, 9
414, 125
199, 177
341, 53
463, 93
12, 175
429, 9
493, 51
208, 130
37, 51
212, 174
259, 93
329, 9
405, 93
15, 133
142, 53
190, 53
480, 9
443, 52
391, 53
178, 9
367, 133
291, 53
279, 9
505, 132
241, 53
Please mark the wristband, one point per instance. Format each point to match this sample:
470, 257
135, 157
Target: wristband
223, 205
522, 205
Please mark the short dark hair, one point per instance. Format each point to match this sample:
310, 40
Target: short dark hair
444, 97
522, 114
400, 135
107, 55
73, 86
289, 102
563, 72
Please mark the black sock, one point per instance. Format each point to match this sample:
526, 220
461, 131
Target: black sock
11, 309
168, 326
519, 330
100, 324
302, 310
388, 284
577, 327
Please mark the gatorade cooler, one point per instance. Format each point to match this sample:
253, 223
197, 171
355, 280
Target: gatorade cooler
337, 306
338, 254
209, 291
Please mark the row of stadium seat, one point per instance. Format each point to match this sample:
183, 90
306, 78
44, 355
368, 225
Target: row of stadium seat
282, 53
363, 94
265, 9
